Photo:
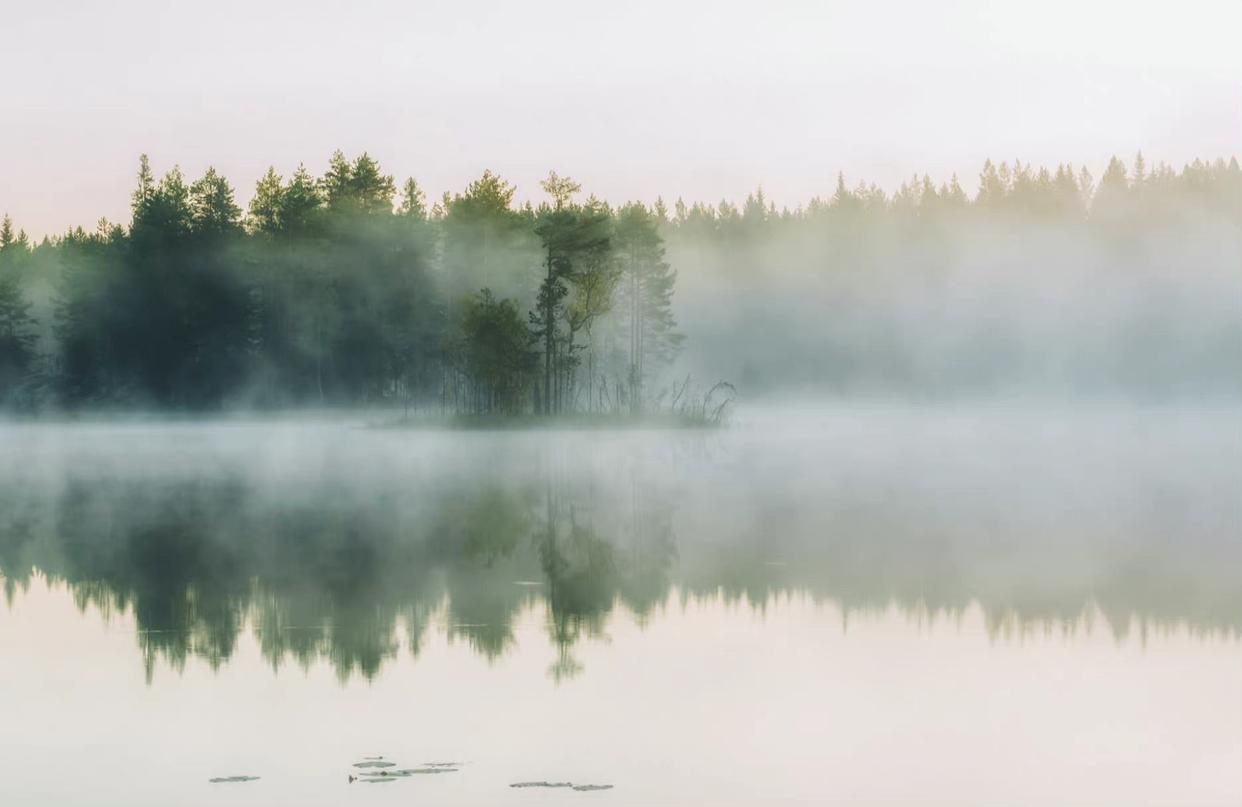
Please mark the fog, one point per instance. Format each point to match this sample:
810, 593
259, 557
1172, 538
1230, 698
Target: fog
341, 411
1047, 520
338, 291
704, 403
924, 297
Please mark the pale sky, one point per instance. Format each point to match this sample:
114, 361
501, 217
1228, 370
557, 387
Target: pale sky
705, 99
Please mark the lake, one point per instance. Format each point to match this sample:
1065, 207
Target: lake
828, 604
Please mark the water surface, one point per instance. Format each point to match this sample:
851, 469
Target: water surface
953, 605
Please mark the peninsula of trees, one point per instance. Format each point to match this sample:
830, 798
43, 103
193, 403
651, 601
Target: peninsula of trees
341, 290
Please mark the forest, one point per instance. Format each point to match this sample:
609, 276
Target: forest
338, 290
348, 289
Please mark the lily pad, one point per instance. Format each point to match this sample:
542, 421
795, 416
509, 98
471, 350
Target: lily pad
582, 788
221, 779
375, 763
416, 771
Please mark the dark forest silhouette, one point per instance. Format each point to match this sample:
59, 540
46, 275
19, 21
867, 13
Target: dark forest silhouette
333, 290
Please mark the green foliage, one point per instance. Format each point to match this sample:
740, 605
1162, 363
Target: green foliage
577, 287
266, 206
327, 300
486, 243
338, 290
213, 212
358, 187
647, 291
497, 355
413, 201
17, 326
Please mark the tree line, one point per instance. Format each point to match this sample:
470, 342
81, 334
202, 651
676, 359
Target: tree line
340, 290
1125, 282
347, 289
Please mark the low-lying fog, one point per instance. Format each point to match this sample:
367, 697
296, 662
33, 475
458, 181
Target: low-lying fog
1038, 515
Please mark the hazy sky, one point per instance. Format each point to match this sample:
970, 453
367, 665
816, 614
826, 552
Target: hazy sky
699, 98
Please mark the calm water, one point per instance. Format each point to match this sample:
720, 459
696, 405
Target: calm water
966, 606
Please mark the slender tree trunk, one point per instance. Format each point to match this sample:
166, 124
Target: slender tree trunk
548, 317
634, 306
319, 352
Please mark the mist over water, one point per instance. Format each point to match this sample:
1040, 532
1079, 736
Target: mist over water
528, 601
925, 296
487, 520
360, 454
1037, 515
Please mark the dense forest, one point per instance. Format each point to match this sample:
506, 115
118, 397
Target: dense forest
338, 290
348, 290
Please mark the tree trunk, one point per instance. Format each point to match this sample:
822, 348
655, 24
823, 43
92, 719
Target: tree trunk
548, 316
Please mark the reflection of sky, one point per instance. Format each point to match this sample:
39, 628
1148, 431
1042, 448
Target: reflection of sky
707, 704
700, 98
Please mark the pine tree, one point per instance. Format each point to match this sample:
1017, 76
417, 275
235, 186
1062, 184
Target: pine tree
413, 201
648, 288
146, 188
301, 204
17, 336
575, 242
264, 213
561, 189
213, 210
486, 243
1114, 187
992, 186
358, 187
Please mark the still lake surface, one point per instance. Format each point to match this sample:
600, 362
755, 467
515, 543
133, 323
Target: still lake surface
824, 605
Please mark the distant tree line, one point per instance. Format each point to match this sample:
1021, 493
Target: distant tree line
340, 290
1127, 282
345, 289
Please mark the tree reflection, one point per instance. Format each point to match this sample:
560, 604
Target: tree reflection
347, 573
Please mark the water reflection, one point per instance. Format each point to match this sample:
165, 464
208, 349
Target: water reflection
350, 557
198, 560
